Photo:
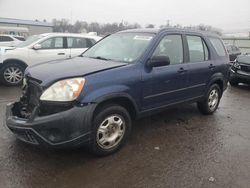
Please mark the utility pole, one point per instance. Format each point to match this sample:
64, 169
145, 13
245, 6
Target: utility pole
168, 23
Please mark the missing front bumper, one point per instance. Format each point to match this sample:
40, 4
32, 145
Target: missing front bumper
64, 129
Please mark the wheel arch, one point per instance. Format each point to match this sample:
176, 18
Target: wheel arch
124, 100
18, 61
217, 79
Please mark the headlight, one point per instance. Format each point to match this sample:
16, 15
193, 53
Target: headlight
64, 90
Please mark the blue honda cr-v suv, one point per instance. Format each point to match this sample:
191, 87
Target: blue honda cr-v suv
93, 98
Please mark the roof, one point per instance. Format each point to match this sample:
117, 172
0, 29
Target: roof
11, 35
71, 35
155, 31
147, 30
24, 22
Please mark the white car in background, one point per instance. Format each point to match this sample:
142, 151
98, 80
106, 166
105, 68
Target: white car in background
40, 48
10, 40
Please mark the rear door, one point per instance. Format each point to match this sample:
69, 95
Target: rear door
77, 45
53, 48
163, 86
200, 65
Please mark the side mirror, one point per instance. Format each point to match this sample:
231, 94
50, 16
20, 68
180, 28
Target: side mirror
37, 46
158, 61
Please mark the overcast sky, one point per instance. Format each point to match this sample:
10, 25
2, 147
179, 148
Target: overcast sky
225, 14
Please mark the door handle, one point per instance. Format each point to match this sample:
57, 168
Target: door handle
182, 70
211, 66
61, 54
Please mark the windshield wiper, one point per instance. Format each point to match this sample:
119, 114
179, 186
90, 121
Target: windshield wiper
102, 58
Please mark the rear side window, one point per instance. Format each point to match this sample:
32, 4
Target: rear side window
218, 46
20, 38
74, 42
171, 46
198, 51
5, 39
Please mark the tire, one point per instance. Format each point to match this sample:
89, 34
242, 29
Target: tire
233, 82
110, 130
212, 100
16, 78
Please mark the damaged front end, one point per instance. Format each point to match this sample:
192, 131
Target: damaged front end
30, 106
50, 124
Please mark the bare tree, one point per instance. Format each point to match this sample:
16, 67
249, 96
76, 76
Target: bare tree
63, 25
150, 26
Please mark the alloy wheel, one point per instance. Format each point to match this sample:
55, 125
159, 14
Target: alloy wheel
13, 75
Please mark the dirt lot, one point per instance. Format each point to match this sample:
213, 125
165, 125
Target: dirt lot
177, 148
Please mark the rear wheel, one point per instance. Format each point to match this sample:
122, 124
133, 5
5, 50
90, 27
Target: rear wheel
212, 100
11, 74
111, 128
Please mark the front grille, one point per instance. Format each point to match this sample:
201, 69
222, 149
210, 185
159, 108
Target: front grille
245, 68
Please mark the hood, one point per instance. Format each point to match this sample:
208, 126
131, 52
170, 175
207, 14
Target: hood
244, 59
80, 66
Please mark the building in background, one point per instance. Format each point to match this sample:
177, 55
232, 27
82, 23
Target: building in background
24, 27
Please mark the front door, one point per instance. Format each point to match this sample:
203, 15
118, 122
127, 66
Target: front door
163, 86
52, 49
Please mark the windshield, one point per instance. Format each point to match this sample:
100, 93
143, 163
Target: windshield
122, 47
29, 41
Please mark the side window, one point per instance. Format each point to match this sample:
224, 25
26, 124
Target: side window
74, 42
53, 43
171, 46
5, 39
92, 42
218, 46
20, 38
198, 50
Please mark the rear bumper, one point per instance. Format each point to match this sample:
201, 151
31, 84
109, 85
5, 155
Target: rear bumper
70, 128
243, 78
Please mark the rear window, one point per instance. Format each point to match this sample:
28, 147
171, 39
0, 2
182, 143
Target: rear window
218, 46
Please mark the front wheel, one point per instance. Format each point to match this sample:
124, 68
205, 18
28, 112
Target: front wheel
110, 131
212, 100
11, 74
